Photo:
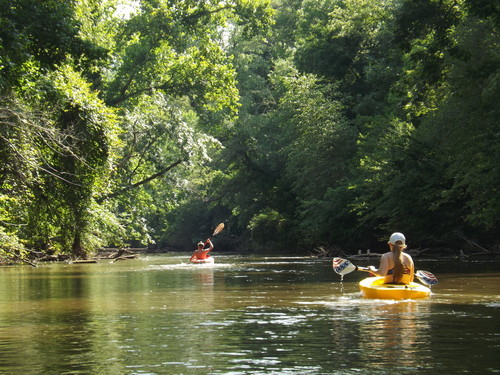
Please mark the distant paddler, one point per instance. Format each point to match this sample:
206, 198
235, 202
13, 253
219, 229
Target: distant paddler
201, 255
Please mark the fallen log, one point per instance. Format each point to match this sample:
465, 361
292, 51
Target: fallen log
81, 261
124, 257
121, 252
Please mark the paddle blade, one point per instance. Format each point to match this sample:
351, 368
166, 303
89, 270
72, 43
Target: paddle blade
343, 266
426, 277
218, 229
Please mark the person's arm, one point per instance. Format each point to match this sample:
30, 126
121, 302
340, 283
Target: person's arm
211, 246
383, 268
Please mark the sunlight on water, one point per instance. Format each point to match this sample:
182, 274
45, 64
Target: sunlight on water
240, 315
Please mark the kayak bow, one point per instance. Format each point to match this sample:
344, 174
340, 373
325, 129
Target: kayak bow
209, 260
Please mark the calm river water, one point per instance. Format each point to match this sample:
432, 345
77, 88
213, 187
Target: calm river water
243, 315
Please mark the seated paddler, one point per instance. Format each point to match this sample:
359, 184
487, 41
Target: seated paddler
201, 253
396, 265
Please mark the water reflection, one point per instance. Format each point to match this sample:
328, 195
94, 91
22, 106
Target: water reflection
396, 334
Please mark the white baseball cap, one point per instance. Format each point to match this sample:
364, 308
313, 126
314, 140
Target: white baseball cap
396, 236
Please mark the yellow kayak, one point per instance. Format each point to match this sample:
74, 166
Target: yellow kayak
374, 287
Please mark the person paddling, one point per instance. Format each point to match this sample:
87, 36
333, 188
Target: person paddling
396, 265
200, 253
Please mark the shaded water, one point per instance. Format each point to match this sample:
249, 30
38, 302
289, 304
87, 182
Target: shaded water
243, 315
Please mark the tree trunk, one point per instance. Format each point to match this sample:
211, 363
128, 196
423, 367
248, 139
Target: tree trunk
77, 249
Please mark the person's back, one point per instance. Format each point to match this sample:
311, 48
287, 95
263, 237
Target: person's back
406, 275
396, 266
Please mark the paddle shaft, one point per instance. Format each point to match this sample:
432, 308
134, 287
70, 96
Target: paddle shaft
364, 269
428, 279
343, 267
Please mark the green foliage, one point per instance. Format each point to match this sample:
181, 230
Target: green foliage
253, 15
186, 225
42, 34
11, 249
116, 103
83, 127
465, 126
448, 68
269, 230
175, 49
296, 122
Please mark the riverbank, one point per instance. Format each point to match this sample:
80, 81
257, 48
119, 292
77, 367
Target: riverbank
117, 254
439, 253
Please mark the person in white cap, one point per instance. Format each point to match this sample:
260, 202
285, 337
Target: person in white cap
396, 265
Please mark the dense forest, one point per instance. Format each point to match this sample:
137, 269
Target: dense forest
297, 123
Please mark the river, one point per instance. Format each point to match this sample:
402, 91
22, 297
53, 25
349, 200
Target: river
242, 315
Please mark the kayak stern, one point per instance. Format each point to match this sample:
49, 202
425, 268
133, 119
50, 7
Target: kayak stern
374, 287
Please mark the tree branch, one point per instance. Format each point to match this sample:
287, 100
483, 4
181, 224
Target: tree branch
142, 182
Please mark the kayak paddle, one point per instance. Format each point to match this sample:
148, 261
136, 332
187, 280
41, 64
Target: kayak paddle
217, 230
343, 267
426, 277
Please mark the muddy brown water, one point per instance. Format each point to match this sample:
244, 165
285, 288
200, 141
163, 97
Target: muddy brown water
242, 315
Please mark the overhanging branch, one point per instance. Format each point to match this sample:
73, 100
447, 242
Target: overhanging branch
142, 182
